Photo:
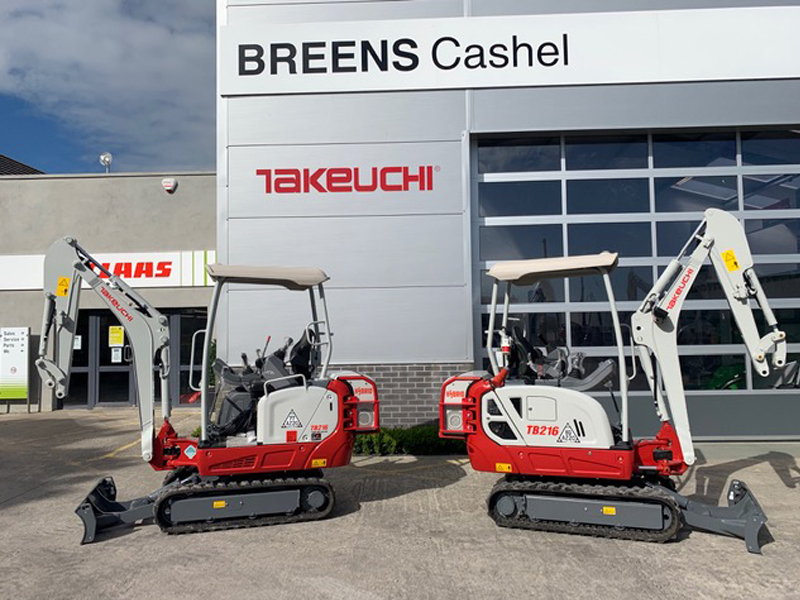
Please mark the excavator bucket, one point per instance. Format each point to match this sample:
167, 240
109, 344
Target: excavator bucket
100, 510
742, 518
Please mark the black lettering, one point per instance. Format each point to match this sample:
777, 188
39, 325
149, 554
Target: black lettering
275, 58
382, 59
474, 58
308, 56
564, 42
516, 47
498, 51
337, 56
413, 59
251, 53
435, 53
545, 51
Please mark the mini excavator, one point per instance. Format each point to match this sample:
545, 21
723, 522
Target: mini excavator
567, 467
266, 436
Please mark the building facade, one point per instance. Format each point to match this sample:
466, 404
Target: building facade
404, 147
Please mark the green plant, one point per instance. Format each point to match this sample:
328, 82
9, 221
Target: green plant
419, 440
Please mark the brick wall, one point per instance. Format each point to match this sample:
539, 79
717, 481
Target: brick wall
409, 394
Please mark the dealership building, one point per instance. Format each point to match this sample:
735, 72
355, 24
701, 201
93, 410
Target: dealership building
406, 146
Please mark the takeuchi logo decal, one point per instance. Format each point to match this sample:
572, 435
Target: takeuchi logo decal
324, 180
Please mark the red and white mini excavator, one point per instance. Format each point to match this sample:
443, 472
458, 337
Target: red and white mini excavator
568, 468
267, 434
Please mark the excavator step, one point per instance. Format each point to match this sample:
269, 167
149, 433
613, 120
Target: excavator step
639, 511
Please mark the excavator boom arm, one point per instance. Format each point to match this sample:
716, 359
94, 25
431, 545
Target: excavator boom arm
66, 266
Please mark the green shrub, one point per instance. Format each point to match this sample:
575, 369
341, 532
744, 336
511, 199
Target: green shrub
418, 440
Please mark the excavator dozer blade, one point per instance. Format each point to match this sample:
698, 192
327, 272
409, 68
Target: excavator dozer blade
100, 511
743, 517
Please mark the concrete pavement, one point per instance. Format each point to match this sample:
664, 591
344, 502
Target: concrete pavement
404, 527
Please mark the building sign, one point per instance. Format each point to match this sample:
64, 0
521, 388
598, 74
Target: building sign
508, 51
14, 363
138, 269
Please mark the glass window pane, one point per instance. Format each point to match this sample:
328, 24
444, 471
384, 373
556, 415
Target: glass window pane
628, 283
78, 391
629, 239
771, 192
548, 290
779, 378
674, 194
706, 285
771, 147
780, 281
519, 154
597, 328
694, 150
192, 320
80, 356
672, 237
788, 322
713, 372
638, 384
772, 236
550, 326
607, 196
606, 152
522, 241
520, 198
708, 327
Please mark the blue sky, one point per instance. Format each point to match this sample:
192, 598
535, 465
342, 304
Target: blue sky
133, 77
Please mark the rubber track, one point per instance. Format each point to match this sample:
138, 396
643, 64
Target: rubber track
219, 488
612, 493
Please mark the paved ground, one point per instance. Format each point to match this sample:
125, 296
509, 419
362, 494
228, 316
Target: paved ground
404, 527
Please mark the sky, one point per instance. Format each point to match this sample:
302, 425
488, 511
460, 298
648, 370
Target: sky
132, 77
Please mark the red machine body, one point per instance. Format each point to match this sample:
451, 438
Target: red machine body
460, 417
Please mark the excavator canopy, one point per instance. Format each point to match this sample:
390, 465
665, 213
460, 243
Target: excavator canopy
292, 278
525, 272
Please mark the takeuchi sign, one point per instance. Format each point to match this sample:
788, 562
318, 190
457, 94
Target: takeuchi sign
506, 51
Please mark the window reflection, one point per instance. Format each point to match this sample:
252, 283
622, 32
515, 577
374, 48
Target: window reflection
707, 327
771, 192
519, 154
519, 198
606, 152
694, 150
548, 290
771, 147
628, 283
779, 281
772, 236
519, 242
538, 328
597, 328
629, 239
607, 196
671, 237
678, 194
713, 372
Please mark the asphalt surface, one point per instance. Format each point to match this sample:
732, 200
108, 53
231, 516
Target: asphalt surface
403, 527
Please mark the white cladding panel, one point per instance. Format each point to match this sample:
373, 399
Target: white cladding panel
362, 252
346, 118
307, 11
378, 325
259, 195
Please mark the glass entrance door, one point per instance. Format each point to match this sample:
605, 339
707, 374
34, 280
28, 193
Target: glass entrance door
114, 379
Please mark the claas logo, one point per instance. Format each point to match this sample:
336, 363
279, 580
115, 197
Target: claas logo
138, 270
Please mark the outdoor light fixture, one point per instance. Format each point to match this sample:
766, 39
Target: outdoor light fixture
170, 184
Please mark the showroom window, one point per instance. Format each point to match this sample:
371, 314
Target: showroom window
642, 195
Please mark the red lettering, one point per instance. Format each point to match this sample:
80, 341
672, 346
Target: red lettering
338, 180
267, 173
164, 269
143, 269
687, 277
312, 181
360, 187
287, 181
385, 185
419, 178
123, 270
107, 267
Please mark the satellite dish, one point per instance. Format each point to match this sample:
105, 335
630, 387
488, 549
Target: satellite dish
105, 160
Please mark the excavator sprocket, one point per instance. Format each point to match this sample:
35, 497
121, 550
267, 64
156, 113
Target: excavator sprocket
632, 511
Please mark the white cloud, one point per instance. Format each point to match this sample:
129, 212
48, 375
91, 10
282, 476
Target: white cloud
135, 77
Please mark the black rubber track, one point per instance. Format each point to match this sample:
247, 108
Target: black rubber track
210, 489
612, 493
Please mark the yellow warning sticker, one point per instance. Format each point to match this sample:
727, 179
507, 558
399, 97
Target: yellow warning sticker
319, 462
609, 510
502, 467
220, 504
729, 256
116, 336
62, 289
